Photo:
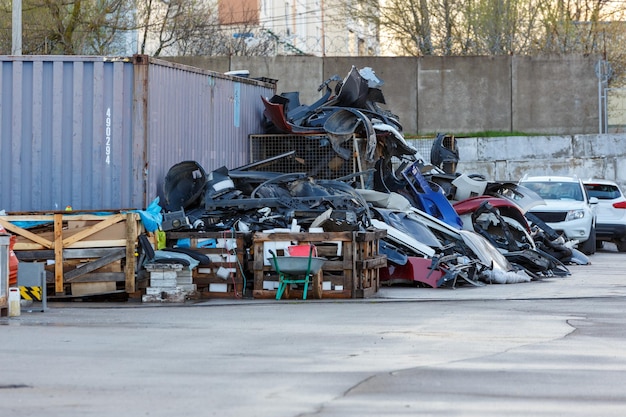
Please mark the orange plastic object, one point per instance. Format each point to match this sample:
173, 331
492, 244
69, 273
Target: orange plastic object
13, 261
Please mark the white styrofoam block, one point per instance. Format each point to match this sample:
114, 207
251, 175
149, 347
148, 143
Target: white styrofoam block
228, 244
268, 285
228, 258
339, 248
277, 230
338, 287
205, 270
225, 273
279, 248
217, 287
327, 285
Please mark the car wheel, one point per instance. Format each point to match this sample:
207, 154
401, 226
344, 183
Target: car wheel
621, 245
588, 247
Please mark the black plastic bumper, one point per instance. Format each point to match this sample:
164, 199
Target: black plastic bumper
611, 231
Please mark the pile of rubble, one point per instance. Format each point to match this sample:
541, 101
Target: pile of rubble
444, 228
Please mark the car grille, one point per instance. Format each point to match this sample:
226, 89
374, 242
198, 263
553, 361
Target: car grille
551, 216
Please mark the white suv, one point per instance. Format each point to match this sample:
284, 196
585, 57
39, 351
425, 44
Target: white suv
611, 212
568, 208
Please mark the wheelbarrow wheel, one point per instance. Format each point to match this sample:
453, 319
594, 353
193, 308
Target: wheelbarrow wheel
317, 285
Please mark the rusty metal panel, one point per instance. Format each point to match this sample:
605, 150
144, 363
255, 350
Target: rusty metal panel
65, 134
198, 115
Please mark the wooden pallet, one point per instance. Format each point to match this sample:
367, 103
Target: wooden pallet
93, 252
226, 269
350, 273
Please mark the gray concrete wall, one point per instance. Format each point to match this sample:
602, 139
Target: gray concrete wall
544, 95
557, 95
471, 94
509, 158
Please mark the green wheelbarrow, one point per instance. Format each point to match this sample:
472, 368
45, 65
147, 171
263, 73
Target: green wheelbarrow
298, 270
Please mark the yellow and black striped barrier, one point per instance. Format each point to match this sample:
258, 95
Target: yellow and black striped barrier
31, 293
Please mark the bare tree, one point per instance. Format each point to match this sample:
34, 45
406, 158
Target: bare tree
70, 26
198, 27
499, 27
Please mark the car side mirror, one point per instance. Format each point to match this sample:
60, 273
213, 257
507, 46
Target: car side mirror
593, 200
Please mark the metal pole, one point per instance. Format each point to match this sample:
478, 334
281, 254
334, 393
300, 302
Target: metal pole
17, 27
323, 29
600, 74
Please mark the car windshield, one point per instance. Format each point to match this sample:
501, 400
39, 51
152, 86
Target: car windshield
603, 191
554, 190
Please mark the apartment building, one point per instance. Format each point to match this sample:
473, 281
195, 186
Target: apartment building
284, 27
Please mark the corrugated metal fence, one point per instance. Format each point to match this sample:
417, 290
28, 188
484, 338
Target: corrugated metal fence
101, 133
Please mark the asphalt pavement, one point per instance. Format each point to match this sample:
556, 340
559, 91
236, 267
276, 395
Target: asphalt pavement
554, 347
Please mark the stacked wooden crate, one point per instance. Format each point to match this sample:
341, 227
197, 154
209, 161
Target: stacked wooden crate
223, 277
350, 271
86, 253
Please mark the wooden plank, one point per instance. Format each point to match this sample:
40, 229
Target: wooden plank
20, 246
93, 288
90, 253
80, 214
304, 237
102, 224
71, 276
369, 235
131, 239
372, 263
101, 277
98, 244
29, 218
58, 254
44, 243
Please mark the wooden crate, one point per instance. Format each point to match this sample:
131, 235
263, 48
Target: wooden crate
226, 267
99, 243
351, 272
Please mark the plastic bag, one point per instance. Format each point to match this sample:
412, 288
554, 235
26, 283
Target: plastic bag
151, 217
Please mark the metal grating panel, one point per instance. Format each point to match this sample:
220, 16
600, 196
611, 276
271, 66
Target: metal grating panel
423, 146
313, 155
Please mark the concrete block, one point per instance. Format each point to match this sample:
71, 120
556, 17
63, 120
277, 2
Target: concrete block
163, 267
167, 298
164, 283
188, 288
184, 277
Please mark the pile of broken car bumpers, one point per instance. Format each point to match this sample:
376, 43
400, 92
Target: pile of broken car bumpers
443, 228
